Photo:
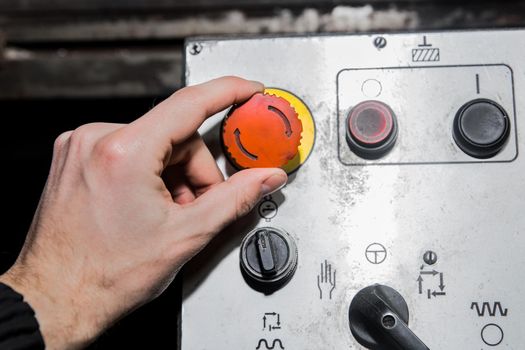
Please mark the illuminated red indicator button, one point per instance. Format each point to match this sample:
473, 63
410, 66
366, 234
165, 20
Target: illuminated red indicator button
371, 129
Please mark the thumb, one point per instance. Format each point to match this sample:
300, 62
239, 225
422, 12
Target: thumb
235, 197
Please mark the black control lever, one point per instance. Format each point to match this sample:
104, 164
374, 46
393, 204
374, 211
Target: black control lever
378, 318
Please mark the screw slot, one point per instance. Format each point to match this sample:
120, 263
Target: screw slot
430, 257
380, 42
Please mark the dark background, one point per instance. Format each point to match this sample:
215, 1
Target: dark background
64, 63
31, 127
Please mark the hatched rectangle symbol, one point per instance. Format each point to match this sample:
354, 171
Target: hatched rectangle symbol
425, 55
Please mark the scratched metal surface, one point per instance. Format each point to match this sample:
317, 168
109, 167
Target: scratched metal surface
469, 214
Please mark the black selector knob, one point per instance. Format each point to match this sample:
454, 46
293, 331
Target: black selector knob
481, 128
268, 258
371, 129
379, 320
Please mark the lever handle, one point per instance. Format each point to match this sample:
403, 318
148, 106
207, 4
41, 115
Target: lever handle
378, 318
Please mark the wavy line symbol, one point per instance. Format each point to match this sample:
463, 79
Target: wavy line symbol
492, 309
267, 346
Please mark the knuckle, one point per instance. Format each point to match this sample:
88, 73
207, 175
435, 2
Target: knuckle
61, 140
111, 150
81, 137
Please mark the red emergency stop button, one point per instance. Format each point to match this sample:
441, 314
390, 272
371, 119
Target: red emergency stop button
371, 129
265, 131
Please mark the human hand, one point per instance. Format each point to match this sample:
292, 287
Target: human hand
124, 207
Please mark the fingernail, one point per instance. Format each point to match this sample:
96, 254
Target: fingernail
274, 183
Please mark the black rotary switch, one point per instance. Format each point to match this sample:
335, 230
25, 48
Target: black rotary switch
481, 128
371, 129
268, 258
378, 318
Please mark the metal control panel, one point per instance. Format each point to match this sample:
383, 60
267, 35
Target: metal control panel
407, 216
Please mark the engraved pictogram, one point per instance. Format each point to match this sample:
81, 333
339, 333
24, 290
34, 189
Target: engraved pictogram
376, 253
271, 321
425, 52
326, 280
268, 208
434, 276
275, 344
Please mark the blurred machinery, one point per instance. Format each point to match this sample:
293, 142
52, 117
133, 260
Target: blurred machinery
121, 48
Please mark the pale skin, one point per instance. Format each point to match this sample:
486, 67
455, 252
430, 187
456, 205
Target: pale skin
125, 206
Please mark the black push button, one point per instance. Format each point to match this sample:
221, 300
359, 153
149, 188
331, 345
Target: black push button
481, 128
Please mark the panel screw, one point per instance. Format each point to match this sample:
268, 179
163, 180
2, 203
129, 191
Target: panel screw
196, 49
430, 257
379, 42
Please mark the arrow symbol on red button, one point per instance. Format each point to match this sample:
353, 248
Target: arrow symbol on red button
250, 155
286, 122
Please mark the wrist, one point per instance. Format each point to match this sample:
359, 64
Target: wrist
56, 310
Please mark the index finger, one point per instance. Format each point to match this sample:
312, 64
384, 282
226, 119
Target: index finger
179, 116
